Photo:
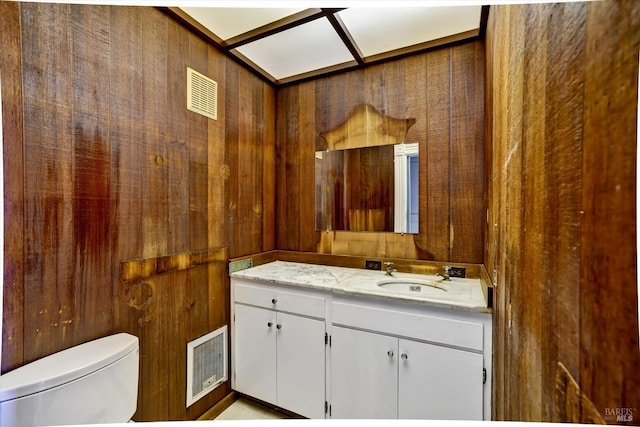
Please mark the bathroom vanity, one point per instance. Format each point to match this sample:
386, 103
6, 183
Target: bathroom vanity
335, 342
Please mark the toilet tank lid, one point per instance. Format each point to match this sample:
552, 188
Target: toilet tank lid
65, 366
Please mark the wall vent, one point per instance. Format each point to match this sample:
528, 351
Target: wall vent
202, 94
206, 364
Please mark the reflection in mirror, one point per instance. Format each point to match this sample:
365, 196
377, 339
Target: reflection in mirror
356, 189
406, 188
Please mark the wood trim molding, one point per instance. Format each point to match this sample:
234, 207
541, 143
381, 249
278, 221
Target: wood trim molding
276, 27
186, 19
217, 409
484, 19
252, 65
463, 37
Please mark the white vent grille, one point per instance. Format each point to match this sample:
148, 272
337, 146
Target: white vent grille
202, 94
206, 364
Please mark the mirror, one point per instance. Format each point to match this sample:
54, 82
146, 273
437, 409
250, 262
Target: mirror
368, 189
365, 179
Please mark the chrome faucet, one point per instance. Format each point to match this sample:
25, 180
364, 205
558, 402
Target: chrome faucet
390, 270
445, 275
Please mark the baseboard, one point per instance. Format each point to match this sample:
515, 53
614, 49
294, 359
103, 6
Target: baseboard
219, 407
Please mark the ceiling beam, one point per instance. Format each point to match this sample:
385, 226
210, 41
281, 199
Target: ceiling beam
484, 18
344, 34
275, 27
186, 19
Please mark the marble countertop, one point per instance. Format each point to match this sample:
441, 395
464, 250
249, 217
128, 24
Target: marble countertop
460, 294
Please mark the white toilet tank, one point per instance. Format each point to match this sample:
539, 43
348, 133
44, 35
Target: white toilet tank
95, 382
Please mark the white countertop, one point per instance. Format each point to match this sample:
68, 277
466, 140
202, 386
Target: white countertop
460, 294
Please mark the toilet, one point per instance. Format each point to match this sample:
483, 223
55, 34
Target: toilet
92, 383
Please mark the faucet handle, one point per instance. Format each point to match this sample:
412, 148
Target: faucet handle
445, 276
390, 270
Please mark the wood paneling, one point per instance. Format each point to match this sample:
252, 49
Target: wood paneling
129, 196
561, 243
13, 157
444, 91
125, 112
466, 155
48, 203
608, 298
91, 154
434, 165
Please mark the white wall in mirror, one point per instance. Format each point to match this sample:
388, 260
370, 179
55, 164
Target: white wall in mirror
406, 194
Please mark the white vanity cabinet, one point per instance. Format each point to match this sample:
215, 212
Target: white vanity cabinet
390, 361
439, 383
278, 346
328, 343
364, 375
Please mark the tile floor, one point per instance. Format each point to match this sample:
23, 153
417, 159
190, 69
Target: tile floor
245, 409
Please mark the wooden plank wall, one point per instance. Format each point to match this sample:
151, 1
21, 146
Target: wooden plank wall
562, 93
116, 169
444, 91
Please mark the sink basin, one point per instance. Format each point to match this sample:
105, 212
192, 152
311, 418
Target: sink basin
412, 286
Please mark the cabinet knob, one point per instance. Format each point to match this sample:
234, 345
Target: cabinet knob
404, 356
390, 353
270, 324
279, 326
273, 301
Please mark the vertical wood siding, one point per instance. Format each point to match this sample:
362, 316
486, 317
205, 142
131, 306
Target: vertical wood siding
561, 239
116, 169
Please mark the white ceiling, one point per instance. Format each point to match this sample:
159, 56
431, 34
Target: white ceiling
381, 30
307, 47
230, 22
286, 45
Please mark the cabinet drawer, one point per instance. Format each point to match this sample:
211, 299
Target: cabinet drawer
279, 299
441, 330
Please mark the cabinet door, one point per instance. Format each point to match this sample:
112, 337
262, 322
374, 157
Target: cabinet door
301, 365
364, 374
255, 352
436, 382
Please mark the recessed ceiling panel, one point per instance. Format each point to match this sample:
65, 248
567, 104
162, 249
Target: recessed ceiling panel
305, 48
377, 30
230, 22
